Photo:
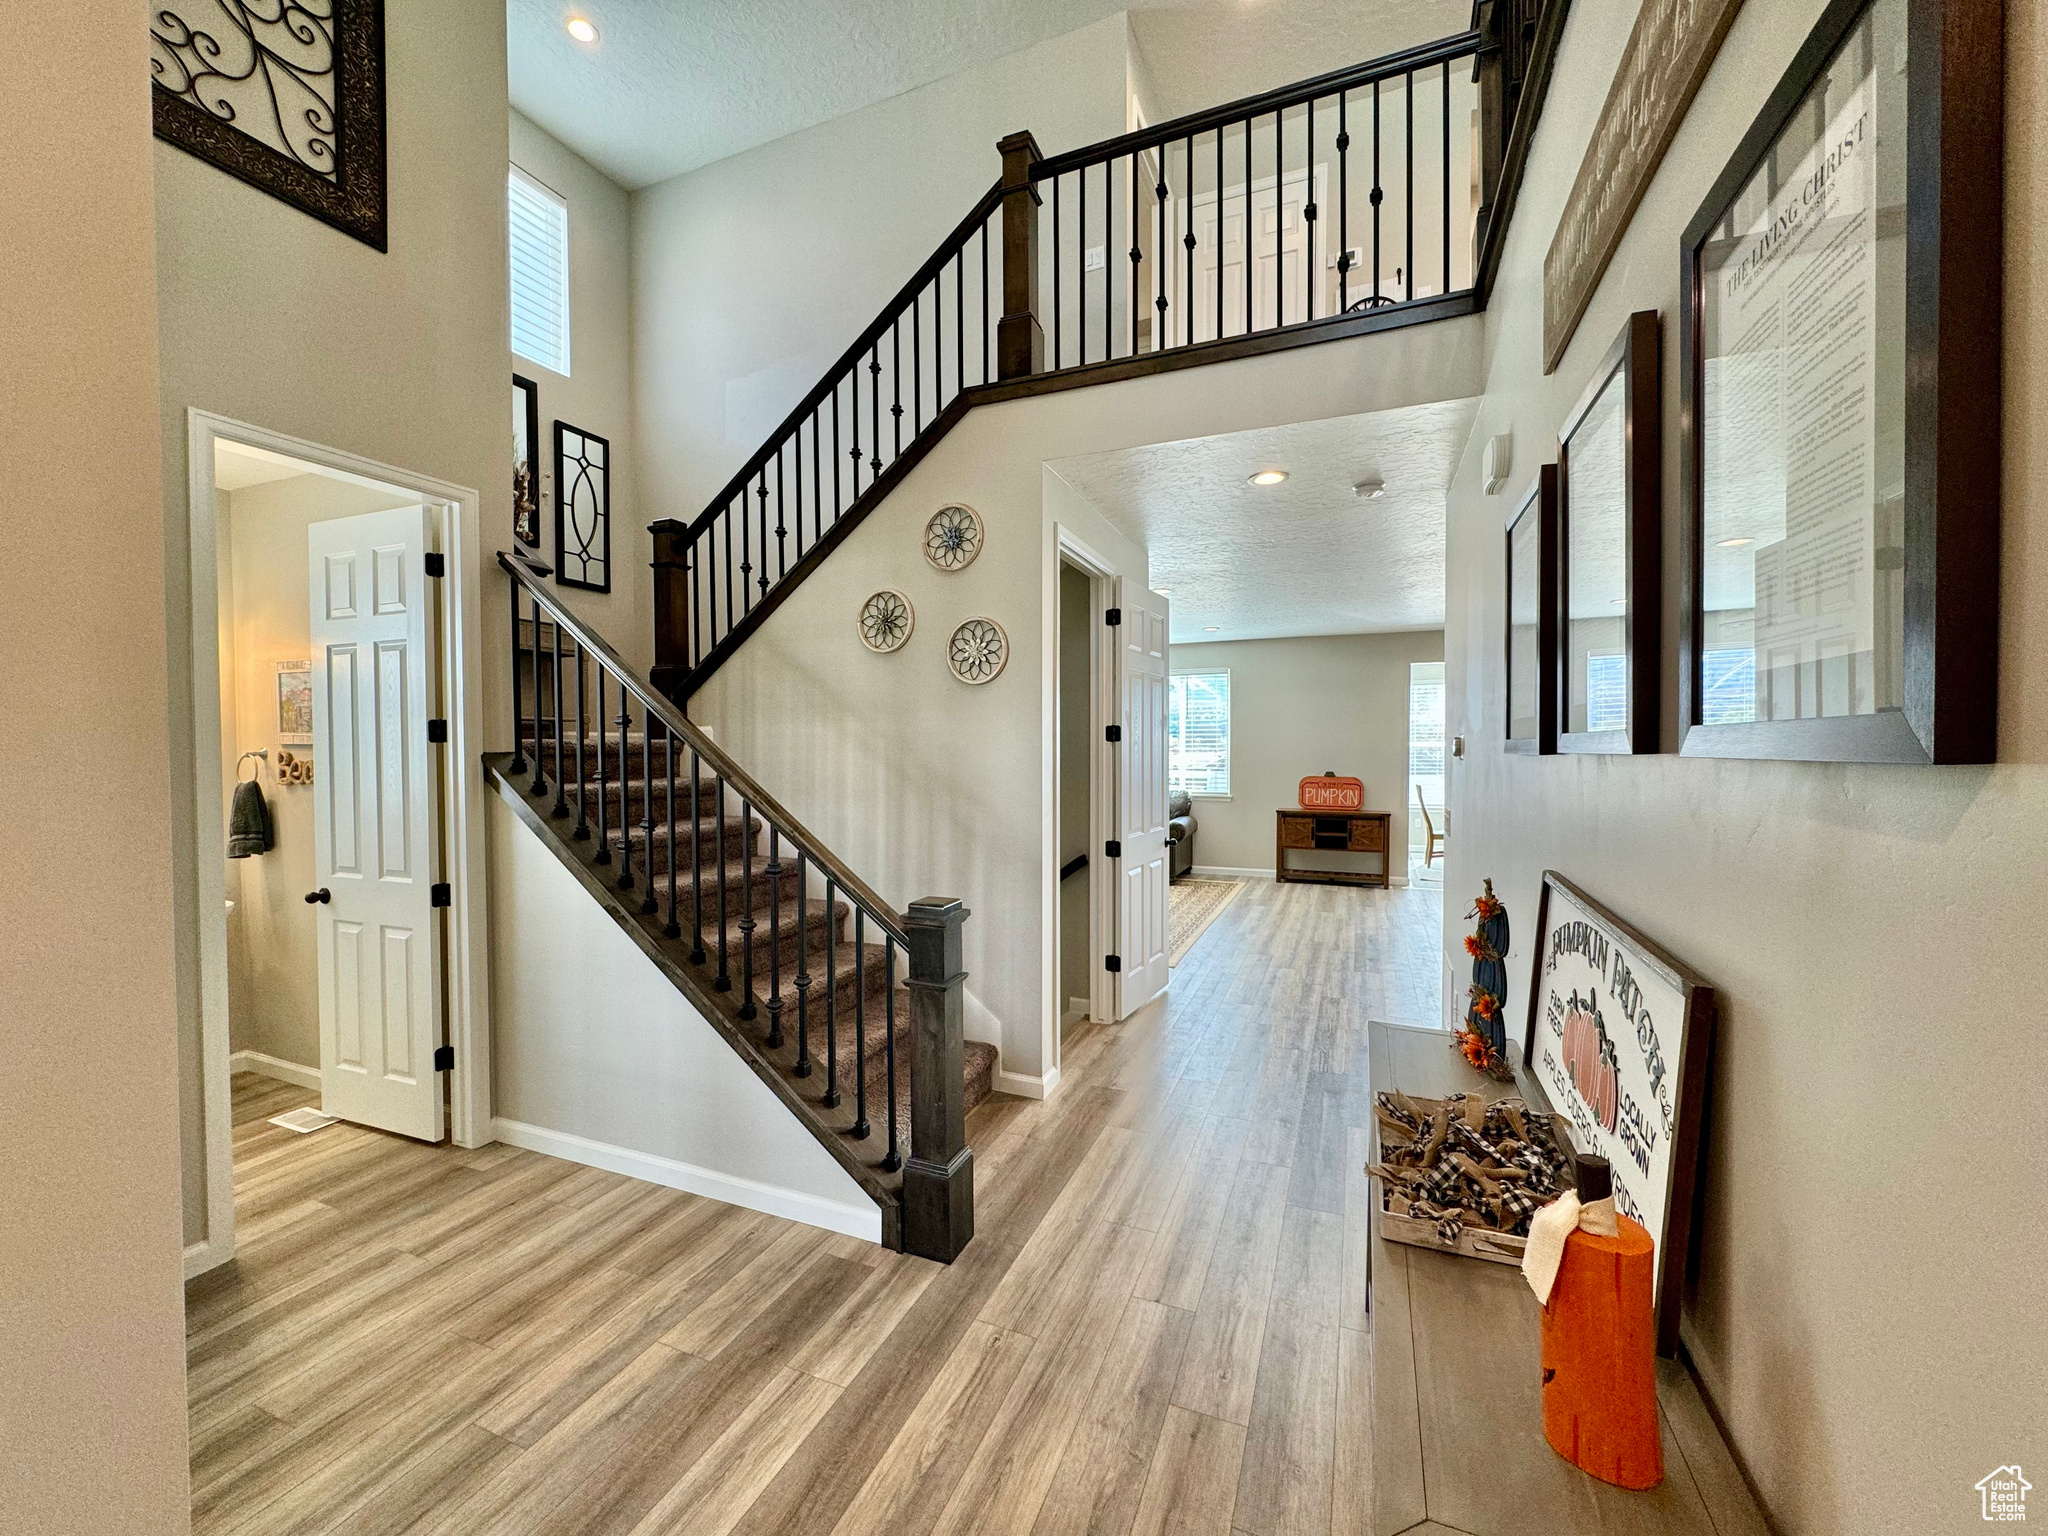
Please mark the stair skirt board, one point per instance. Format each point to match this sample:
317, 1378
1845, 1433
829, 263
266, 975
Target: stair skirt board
274, 1067
791, 1205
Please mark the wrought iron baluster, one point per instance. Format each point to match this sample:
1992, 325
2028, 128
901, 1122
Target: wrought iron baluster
916, 364
838, 494
694, 556
893, 1160
831, 1099
1378, 195
1162, 263
803, 957
1108, 230
1246, 243
774, 873
582, 832
604, 838
626, 789
1055, 272
860, 1024
724, 981
747, 1009
1279, 217
1133, 182
696, 860
817, 483
1343, 205
1447, 177
673, 929
560, 811
540, 783
725, 517
1308, 214
1219, 235
1081, 266
960, 319
781, 530
1408, 190
875, 413
518, 705
896, 385
985, 371
762, 579
1187, 198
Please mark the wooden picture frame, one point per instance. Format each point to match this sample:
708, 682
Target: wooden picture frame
1533, 523
1627, 390
583, 509
1648, 1079
526, 494
1936, 702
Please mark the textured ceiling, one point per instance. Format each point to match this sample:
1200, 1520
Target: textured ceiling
669, 86
1306, 557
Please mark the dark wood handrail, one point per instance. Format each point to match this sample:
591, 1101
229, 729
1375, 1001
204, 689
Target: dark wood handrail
1444, 50
658, 707
847, 360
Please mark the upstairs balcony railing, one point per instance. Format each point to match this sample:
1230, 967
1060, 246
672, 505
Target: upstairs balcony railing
1365, 198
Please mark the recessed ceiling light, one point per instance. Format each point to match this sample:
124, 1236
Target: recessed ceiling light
1370, 489
1735, 543
582, 29
1210, 629
1269, 477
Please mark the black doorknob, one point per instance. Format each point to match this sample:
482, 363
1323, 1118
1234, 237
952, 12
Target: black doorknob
320, 897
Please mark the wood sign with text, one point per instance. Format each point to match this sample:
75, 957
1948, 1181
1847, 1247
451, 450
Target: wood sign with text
1326, 792
1618, 1038
1661, 68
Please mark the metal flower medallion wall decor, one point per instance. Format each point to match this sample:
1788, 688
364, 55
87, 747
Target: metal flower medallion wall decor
953, 537
886, 620
287, 95
978, 652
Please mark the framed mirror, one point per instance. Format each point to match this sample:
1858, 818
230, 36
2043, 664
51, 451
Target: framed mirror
1610, 511
1840, 336
1532, 618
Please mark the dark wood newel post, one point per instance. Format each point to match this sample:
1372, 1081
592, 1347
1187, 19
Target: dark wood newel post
1020, 339
1491, 19
938, 1181
671, 607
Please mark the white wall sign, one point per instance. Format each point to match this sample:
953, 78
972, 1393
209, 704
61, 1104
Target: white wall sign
1618, 1037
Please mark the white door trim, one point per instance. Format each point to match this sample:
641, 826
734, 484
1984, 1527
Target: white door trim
468, 937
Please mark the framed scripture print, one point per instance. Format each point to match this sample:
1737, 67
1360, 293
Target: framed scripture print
1839, 347
1610, 508
1619, 1035
1532, 618
525, 462
583, 509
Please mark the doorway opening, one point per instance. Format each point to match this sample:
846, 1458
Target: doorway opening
1078, 868
339, 866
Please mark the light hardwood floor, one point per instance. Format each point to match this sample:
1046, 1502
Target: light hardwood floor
1159, 1327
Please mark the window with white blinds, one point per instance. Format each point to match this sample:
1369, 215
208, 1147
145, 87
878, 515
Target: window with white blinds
1198, 733
540, 272
1426, 731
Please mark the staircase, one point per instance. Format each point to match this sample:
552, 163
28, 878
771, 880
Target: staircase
850, 1012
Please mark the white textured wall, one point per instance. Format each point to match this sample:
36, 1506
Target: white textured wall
593, 1041
92, 1359
753, 274
929, 787
1298, 707
268, 316
1868, 1313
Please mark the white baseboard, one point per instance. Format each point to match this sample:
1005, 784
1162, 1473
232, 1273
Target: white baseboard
1080, 1005
1224, 872
206, 1254
653, 1169
274, 1066
1398, 882
1025, 1086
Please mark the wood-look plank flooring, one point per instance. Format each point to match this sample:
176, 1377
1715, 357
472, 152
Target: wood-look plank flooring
1159, 1327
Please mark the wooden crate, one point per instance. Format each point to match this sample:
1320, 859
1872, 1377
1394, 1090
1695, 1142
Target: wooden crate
1472, 1242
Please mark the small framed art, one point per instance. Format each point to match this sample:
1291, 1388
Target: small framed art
295, 703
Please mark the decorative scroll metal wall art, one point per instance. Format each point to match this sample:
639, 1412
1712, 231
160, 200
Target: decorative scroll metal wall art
953, 537
583, 509
978, 651
287, 95
886, 620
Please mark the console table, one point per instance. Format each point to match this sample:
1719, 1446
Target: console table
1457, 1394
1332, 832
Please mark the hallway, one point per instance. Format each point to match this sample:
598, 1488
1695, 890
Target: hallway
1160, 1325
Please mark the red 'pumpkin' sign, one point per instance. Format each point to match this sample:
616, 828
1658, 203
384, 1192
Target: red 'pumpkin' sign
1323, 792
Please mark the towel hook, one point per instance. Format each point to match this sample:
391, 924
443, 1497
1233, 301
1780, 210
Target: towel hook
262, 752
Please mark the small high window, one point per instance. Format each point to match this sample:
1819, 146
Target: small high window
540, 272
1198, 733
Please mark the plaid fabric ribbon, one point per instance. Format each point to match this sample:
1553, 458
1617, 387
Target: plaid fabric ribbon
1498, 1174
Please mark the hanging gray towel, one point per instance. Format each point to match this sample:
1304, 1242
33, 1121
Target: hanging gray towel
249, 822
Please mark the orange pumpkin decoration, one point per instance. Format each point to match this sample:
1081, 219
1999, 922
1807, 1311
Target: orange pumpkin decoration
1600, 1358
1590, 1058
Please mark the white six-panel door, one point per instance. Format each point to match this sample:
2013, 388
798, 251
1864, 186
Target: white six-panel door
1143, 870
376, 821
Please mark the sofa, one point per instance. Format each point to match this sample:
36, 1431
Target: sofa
1180, 834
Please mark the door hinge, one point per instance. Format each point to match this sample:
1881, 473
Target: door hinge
437, 565
1112, 733
444, 894
1112, 849
437, 732
444, 1058
1113, 616
1113, 963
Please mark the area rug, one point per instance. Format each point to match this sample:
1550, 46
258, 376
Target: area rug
1191, 906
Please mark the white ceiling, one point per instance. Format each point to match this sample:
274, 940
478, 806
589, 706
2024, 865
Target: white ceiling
668, 87
1308, 556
